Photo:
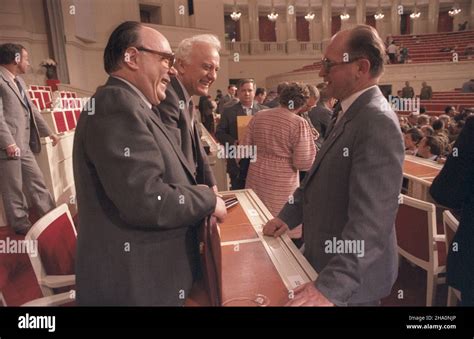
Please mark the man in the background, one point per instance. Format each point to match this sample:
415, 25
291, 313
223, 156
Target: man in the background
321, 114
260, 95
276, 101
231, 91
407, 91
21, 126
226, 131
426, 92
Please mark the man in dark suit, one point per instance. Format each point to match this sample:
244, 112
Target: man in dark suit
230, 96
226, 131
454, 188
137, 196
321, 114
276, 101
349, 198
21, 126
197, 64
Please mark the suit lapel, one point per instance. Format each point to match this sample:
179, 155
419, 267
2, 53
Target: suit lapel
337, 131
188, 143
156, 120
178, 151
15, 89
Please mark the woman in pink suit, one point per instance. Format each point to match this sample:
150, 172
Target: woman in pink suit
284, 145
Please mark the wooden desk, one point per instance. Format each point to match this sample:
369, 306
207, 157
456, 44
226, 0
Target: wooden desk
420, 173
257, 270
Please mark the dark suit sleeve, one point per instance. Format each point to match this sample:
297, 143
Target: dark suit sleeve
169, 109
292, 214
223, 129
129, 161
451, 187
375, 182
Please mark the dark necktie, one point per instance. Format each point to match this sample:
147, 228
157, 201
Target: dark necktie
335, 114
23, 95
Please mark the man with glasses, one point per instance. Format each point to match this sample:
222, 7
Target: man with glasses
138, 200
197, 64
349, 198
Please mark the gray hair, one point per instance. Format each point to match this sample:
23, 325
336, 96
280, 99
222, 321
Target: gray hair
184, 48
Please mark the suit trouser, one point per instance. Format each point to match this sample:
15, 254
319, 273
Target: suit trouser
17, 178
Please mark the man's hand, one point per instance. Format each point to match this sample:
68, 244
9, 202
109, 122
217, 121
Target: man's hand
220, 211
13, 151
215, 189
275, 227
55, 139
308, 295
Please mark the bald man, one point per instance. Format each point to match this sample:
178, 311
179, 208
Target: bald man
138, 201
349, 198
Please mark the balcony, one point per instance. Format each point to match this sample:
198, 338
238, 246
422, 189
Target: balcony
265, 48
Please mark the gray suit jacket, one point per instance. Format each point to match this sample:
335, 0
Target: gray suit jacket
138, 205
179, 125
226, 131
16, 127
351, 194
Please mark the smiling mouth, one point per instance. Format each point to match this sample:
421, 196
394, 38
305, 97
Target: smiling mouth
165, 81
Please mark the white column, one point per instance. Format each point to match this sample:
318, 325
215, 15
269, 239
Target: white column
253, 25
433, 14
291, 42
471, 23
395, 18
326, 18
360, 12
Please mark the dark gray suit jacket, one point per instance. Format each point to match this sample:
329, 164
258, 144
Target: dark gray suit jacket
179, 125
351, 193
226, 131
138, 205
15, 125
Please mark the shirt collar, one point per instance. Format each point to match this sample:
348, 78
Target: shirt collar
347, 102
140, 94
245, 107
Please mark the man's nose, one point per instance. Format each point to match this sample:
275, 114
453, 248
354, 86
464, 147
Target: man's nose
212, 74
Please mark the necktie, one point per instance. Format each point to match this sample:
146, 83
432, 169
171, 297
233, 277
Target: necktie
335, 114
23, 95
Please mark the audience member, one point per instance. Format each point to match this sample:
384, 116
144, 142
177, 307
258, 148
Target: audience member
407, 91
426, 92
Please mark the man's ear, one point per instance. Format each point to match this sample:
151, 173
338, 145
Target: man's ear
130, 57
179, 66
364, 66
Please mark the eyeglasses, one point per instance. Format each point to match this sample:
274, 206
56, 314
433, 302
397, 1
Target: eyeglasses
168, 56
327, 64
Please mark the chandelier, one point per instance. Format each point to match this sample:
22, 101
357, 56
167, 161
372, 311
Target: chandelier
416, 13
454, 11
379, 14
273, 16
344, 15
310, 15
236, 14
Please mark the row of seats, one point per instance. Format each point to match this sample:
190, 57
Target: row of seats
62, 120
45, 99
